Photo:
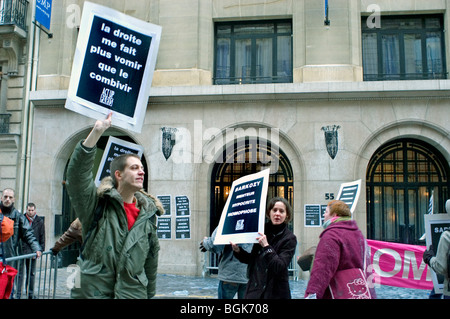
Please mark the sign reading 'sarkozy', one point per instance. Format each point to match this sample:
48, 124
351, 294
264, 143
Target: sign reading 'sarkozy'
244, 212
113, 66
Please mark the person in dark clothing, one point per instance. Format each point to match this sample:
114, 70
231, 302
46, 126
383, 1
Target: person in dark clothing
269, 260
21, 228
37, 225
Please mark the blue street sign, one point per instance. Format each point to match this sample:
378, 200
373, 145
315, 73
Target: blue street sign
44, 12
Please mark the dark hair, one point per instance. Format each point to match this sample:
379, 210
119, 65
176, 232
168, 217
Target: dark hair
31, 205
272, 203
118, 164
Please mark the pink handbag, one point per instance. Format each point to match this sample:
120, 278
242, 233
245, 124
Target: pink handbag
349, 284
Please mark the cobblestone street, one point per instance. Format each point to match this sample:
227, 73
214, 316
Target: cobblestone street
175, 286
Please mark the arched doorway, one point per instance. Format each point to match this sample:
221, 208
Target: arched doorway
244, 158
401, 176
70, 253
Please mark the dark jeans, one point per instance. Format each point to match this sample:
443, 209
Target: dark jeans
227, 290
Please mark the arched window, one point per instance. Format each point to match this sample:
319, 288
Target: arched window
401, 177
244, 158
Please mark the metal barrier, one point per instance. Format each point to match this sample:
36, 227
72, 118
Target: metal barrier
211, 262
36, 277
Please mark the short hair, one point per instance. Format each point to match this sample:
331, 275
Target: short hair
31, 205
339, 208
118, 164
9, 189
275, 200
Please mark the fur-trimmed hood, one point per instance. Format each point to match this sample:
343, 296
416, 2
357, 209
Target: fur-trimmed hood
107, 186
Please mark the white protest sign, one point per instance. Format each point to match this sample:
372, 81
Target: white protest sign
113, 66
114, 148
349, 193
244, 213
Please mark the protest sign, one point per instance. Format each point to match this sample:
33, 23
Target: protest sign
312, 216
435, 225
244, 212
164, 228
183, 227
182, 206
114, 148
113, 66
399, 265
349, 193
166, 202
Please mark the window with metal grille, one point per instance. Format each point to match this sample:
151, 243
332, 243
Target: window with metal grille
253, 52
404, 48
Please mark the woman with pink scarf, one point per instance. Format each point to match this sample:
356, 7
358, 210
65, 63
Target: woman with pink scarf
342, 246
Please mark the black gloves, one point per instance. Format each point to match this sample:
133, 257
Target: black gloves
201, 247
428, 254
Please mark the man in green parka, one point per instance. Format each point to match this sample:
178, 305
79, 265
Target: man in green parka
120, 256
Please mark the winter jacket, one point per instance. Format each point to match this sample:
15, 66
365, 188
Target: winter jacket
440, 263
116, 262
268, 267
341, 246
38, 228
22, 231
230, 268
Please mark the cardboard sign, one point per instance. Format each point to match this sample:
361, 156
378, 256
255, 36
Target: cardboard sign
113, 66
114, 148
244, 213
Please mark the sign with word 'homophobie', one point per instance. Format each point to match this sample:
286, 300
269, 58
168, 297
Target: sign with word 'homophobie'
244, 212
113, 66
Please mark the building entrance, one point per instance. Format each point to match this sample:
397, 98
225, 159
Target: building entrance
402, 176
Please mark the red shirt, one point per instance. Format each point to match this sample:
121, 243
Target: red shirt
132, 213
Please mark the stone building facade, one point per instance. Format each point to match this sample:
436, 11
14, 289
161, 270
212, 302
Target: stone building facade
255, 83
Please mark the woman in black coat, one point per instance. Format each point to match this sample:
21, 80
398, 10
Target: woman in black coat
269, 260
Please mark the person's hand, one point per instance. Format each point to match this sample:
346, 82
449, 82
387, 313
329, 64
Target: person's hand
103, 125
262, 240
201, 247
428, 254
100, 127
38, 254
235, 247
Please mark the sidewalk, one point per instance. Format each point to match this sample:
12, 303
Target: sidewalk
176, 286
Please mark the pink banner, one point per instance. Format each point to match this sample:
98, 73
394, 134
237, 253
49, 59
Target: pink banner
399, 265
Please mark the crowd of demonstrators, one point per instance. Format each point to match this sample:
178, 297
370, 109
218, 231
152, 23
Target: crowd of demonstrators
119, 253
